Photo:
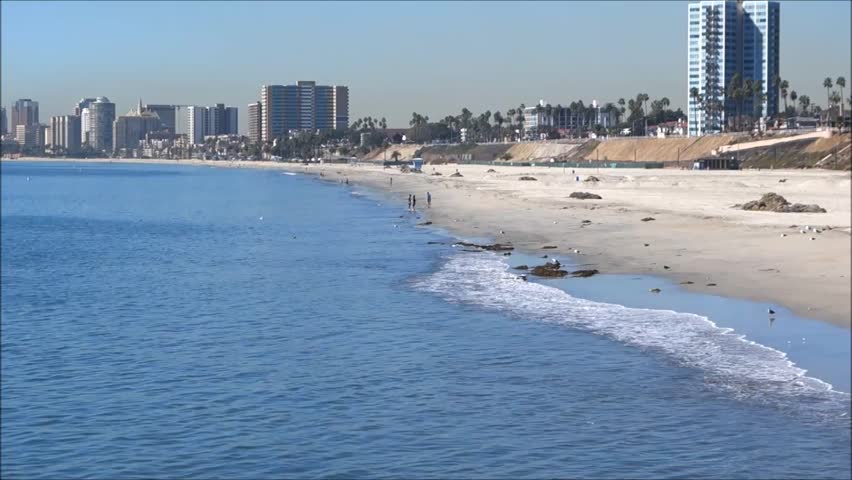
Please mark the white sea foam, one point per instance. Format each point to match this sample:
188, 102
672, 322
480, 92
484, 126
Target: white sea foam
728, 361
289, 174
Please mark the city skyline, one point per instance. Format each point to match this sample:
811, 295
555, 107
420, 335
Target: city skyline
390, 55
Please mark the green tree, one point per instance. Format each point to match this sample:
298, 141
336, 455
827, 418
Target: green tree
793, 97
696, 104
827, 84
783, 87
841, 82
804, 102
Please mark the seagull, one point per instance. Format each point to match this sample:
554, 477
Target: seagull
771, 312
813, 238
802, 231
554, 222
502, 232
576, 251
783, 234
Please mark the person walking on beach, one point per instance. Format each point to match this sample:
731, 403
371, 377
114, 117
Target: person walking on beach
428, 200
409, 201
413, 203
391, 181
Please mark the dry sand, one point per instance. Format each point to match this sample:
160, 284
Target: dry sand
695, 232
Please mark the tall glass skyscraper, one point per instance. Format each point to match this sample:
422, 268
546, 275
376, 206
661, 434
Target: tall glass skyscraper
728, 37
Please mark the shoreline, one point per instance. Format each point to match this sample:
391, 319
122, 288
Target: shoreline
695, 233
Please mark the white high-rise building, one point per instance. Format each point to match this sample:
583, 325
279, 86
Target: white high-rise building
197, 124
728, 37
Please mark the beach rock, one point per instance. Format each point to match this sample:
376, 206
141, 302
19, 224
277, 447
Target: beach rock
586, 222
584, 273
585, 196
550, 269
457, 174
772, 202
548, 247
496, 247
491, 170
522, 267
592, 178
528, 179
648, 219
437, 174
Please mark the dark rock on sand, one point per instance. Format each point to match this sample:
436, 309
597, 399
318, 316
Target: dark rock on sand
592, 178
548, 247
711, 284
584, 273
772, 202
585, 196
491, 170
496, 247
425, 223
522, 267
688, 282
550, 269
655, 290
648, 219
586, 222
437, 174
528, 179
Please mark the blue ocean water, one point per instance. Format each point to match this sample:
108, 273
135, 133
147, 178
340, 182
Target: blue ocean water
187, 322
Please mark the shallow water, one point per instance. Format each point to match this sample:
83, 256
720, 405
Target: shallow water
195, 322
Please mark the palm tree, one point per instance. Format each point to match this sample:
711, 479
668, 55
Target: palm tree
793, 97
696, 101
827, 84
783, 86
805, 102
498, 119
841, 82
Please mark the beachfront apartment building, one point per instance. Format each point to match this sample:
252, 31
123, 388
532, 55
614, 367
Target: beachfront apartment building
24, 112
65, 133
254, 121
210, 121
564, 118
726, 37
99, 122
304, 106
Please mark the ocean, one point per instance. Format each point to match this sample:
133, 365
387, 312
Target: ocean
193, 322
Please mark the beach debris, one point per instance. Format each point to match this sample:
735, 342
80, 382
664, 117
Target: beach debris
584, 273
711, 284
688, 282
527, 178
522, 267
585, 196
647, 244
548, 247
491, 170
655, 290
495, 247
772, 202
592, 178
549, 269
424, 223
648, 219
457, 174
783, 180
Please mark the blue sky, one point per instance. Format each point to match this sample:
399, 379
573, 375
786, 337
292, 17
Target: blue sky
396, 57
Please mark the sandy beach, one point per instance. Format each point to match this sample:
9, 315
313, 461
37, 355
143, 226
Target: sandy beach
695, 233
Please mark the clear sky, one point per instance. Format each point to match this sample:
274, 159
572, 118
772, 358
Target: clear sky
396, 57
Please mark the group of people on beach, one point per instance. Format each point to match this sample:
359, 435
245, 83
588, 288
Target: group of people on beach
412, 201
